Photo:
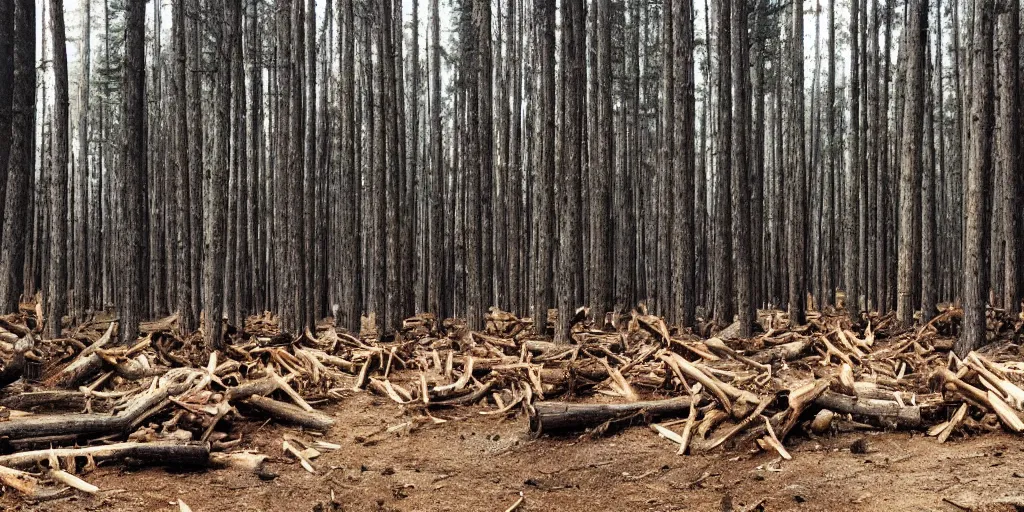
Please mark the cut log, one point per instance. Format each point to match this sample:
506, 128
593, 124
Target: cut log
160, 453
291, 413
48, 400
84, 366
883, 413
174, 382
784, 352
562, 418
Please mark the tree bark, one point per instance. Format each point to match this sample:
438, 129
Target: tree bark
910, 160
83, 245
57, 287
723, 303
7, 36
976, 229
130, 178
797, 192
741, 173
684, 164
20, 161
852, 187
1009, 150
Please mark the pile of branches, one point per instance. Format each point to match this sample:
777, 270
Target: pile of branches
70, 402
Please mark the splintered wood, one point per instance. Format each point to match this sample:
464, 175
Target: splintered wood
163, 400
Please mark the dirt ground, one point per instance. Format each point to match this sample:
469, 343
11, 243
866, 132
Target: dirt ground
475, 462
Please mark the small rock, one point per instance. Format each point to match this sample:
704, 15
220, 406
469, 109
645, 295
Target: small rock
859, 446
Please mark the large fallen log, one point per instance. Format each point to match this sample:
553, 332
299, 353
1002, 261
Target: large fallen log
563, 417
884, 413
49, 400
160, 453
174, 382
291, 413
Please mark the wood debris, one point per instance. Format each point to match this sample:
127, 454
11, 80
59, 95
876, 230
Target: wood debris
164, 399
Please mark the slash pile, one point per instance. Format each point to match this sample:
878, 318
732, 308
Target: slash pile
164, 400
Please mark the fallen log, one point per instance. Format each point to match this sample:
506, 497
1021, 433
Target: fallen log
562, 417
883, 413
50, 400
291, 413
160, 453
784, 352
85, 365
173, 383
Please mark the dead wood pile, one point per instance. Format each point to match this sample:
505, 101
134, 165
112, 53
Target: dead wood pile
164, 400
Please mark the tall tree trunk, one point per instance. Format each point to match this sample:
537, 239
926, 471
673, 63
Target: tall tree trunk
976, 229
20, 161
7, 36
485, 138
543, 185
570, 239
741, 172
684, 168
832, 159
182, 189
82, 240
130, 178
437, 162
723, 304
195, 34
601, 173
1009, 150
910, 161
798, 183
850, 222
214, 235
57, 287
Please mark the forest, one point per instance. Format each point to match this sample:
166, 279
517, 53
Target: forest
381, 159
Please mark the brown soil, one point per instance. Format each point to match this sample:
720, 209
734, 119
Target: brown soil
476, 462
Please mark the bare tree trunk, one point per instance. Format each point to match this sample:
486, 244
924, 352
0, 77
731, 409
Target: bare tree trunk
832, 157
570, 240
437, 170
1009, 150
601, 176
741, 172
7, 35
194, 34
723, 304
850, 223
911, 149
20, 161
57, 287
82, 240
130, 178
182, 189
798, 182
975, 274
214, 235
543, 185
684, 165
485, 138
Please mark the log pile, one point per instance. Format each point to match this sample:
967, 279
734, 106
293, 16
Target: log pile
164, 400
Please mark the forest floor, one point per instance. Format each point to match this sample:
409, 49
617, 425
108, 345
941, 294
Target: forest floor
476, 462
